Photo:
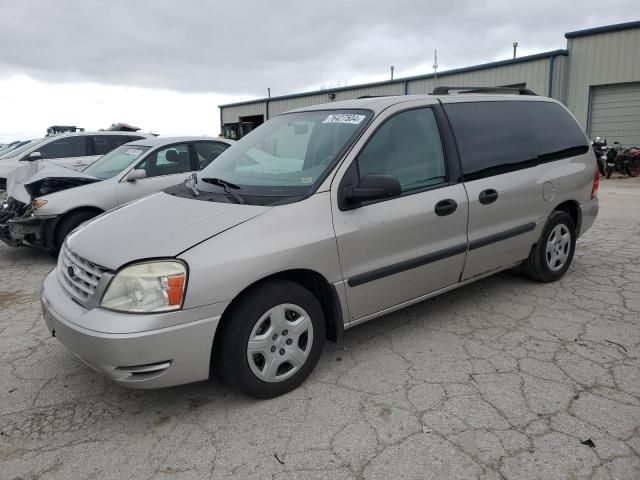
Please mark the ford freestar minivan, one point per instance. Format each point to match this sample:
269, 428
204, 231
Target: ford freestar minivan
321, 219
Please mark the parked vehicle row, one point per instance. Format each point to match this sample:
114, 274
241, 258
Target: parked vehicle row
47, 201
318, 220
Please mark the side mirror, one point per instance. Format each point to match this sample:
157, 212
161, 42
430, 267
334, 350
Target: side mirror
373, 187
136, 174
32, 157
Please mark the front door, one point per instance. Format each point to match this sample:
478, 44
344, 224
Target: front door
399, 249
164, 168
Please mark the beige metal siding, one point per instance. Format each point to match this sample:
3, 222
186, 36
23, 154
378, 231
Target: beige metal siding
615, 113
560, 70
233, 114
276, 107
600, 59
535, 74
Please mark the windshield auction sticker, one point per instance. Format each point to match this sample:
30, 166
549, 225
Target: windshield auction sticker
133, 151
344, 118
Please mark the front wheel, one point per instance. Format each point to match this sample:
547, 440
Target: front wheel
551, 257
272, 340
69, 224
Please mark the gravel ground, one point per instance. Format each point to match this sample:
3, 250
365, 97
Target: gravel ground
505, 378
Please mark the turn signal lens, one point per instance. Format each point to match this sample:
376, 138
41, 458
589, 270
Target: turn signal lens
38, 203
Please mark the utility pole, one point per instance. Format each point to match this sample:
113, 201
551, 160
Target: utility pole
268, 92
515, 47
435, 68
392, 67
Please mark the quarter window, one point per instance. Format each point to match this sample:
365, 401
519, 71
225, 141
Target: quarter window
167, 161
65, 147
500, 137
408, 147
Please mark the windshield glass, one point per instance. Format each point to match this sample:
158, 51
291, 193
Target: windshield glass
115, 161
289, 154
20, 150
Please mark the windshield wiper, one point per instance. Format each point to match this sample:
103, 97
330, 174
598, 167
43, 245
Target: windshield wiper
224, 184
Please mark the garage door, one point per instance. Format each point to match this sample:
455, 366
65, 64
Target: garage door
615, 113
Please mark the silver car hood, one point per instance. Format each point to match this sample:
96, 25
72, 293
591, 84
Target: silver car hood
29, 172
156, 226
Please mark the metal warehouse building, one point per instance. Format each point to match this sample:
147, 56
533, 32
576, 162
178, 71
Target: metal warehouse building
597, 77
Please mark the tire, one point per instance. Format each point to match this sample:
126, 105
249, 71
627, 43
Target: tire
551, 256
279, 358
633, 167
68, 224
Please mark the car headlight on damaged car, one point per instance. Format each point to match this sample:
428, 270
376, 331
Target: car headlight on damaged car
147, 287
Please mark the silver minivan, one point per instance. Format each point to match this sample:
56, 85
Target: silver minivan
321, 219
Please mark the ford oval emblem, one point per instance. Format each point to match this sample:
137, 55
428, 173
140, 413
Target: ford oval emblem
71, 271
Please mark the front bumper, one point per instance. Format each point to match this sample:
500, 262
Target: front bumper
589, 213
31, 231
138, 358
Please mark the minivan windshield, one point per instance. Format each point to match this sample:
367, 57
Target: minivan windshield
286, 156
115, 161
20, 150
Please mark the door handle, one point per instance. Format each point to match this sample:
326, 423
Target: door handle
488, 196
445, 207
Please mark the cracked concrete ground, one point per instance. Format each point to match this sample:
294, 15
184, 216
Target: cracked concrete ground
505, 378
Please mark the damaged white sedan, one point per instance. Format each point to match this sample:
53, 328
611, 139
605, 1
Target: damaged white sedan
45, 202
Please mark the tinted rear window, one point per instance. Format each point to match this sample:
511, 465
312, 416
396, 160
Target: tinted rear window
499, 137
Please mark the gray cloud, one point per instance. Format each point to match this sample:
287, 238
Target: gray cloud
243, 47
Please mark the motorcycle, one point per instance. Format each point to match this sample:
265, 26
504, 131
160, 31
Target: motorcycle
600, 148
623, 160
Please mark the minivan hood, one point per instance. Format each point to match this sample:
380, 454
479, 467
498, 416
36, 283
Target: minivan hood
156, 226
45, 178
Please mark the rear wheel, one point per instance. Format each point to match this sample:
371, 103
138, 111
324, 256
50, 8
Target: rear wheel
551, 257
633, 167
272, 340
69, 224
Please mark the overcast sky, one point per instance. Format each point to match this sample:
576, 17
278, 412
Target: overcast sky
166, 65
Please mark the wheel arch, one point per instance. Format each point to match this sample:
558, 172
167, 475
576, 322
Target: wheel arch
572, 208
52, 227
313, 281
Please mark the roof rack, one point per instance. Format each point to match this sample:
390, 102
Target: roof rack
517, 91
375, 96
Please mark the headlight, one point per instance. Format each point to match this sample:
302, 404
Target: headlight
147, 287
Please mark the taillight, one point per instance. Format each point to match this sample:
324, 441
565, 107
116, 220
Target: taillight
596, 184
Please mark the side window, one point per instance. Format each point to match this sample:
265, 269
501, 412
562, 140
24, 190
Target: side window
65, 147
167, 161
103, 144
408, 147
207, 152
500, 137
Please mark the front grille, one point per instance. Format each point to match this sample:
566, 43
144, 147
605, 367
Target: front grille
11, 208
86, 275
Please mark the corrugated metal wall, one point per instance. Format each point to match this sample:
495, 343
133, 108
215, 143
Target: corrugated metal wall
232, 114
534, 74
601, 59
